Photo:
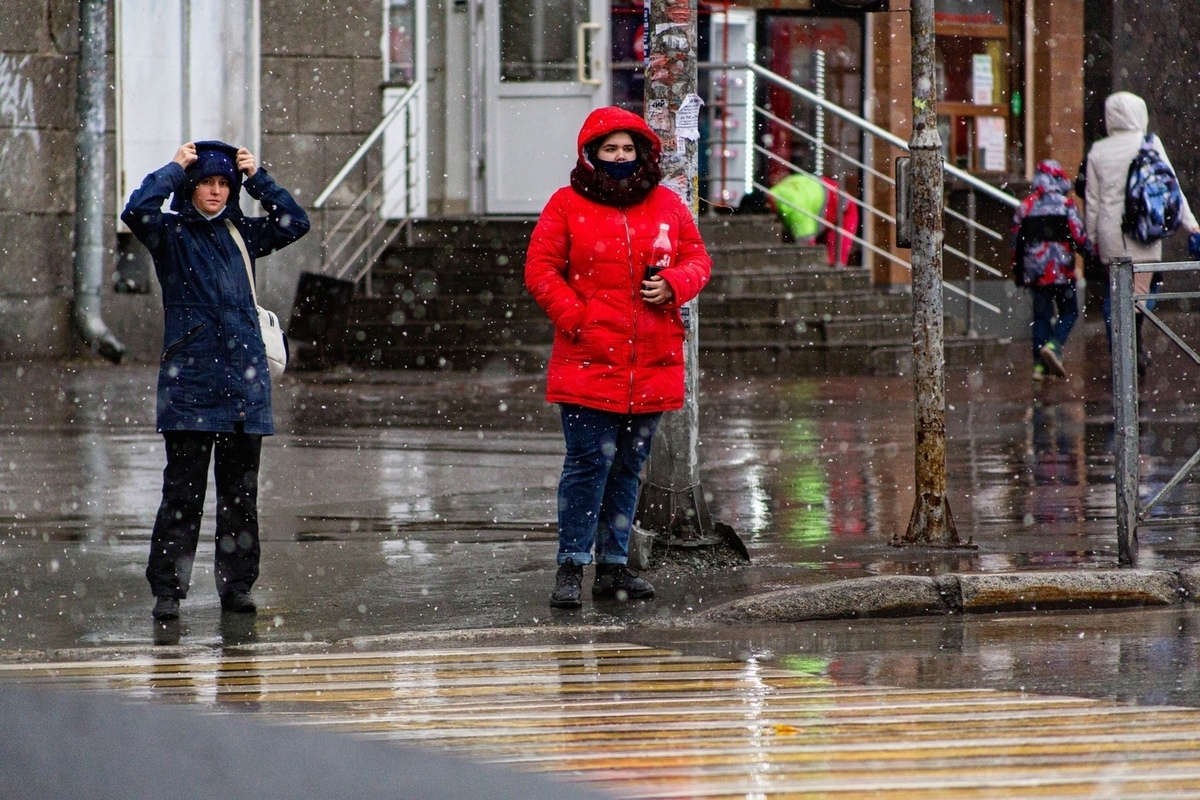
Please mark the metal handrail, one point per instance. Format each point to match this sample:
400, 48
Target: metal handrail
349, 166
883, 176
878, 132
839, 191
888, 179
974, 183
1131, 512
376, 205
353, 229
879, 250
369, 193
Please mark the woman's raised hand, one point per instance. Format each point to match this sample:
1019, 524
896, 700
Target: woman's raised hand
185, 156
246, 162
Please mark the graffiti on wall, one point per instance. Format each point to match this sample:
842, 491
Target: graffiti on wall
18, 121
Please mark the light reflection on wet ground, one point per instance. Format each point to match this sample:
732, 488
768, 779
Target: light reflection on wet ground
398, 502
647, 722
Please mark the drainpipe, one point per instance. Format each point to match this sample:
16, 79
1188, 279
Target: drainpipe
89, 181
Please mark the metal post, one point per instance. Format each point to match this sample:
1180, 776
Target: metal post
971, 212
931, 521
1125, 400
672, 499
819, 117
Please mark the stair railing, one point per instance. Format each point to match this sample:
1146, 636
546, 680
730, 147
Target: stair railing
353, 245
889, 139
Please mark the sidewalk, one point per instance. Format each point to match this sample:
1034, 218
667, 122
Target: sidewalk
400, 503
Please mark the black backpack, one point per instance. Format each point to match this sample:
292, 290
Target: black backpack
1153, 202
1045, 228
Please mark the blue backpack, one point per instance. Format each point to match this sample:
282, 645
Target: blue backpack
1153, 202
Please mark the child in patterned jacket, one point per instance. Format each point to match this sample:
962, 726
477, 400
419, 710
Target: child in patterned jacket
1047, 231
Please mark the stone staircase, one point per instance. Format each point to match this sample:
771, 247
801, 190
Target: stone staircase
454, 298
773, 307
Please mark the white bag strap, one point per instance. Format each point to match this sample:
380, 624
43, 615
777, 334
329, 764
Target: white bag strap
241, 246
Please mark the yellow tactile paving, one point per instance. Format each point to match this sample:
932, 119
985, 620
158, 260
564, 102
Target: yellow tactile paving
650, 723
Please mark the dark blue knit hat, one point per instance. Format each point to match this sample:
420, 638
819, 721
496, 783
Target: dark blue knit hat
212, 158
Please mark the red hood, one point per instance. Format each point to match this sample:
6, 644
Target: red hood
609, 119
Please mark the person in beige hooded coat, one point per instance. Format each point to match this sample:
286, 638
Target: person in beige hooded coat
1126, 121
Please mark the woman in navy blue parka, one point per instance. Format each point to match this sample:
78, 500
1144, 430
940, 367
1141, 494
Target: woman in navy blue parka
214, 388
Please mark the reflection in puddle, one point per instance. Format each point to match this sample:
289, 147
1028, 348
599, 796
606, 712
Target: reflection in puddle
1030, 478
414, 549
238, 629
446, 500
166, 632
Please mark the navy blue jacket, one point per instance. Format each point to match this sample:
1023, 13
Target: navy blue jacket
213, 372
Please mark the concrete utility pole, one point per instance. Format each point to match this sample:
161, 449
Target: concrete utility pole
672, 500
931, 521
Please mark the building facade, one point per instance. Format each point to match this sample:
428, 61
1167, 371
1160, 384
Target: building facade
501, 87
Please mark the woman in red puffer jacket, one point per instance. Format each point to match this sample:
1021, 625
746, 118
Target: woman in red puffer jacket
617, 361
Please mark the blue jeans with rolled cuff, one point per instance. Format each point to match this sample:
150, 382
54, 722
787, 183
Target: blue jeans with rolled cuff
601, 476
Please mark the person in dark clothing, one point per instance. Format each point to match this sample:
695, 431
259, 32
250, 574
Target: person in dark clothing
214, 388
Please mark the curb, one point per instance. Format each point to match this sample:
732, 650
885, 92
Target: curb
956, 593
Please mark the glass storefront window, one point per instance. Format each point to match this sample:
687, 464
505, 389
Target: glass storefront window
987, 12
823, 55
974, 74
972, 70
401, 64
537, 39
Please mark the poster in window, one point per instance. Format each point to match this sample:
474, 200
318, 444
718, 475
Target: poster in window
983, 81
990, 144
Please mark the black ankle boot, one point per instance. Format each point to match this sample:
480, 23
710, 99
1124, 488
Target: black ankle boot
166, 608
568, 586
238, 602
618, 581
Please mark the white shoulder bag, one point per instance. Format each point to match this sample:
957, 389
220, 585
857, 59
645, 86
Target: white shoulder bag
273, 337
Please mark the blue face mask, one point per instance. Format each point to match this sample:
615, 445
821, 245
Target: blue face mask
618, 170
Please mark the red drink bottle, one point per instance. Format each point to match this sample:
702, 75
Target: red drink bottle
660, 251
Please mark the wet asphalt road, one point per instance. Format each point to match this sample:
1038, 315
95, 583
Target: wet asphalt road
402, 505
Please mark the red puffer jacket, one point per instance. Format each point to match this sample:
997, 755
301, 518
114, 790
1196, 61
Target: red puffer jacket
613, 351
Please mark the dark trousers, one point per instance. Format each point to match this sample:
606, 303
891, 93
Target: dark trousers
177, 526
1047, 300
598, 490
1156, 282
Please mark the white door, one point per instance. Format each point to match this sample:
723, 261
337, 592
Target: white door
731, 136
405, 150
185, 71
547, 68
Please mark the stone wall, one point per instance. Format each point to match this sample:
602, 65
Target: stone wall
1058, 78
1058, 58
38, 46
321, 74
891, 109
